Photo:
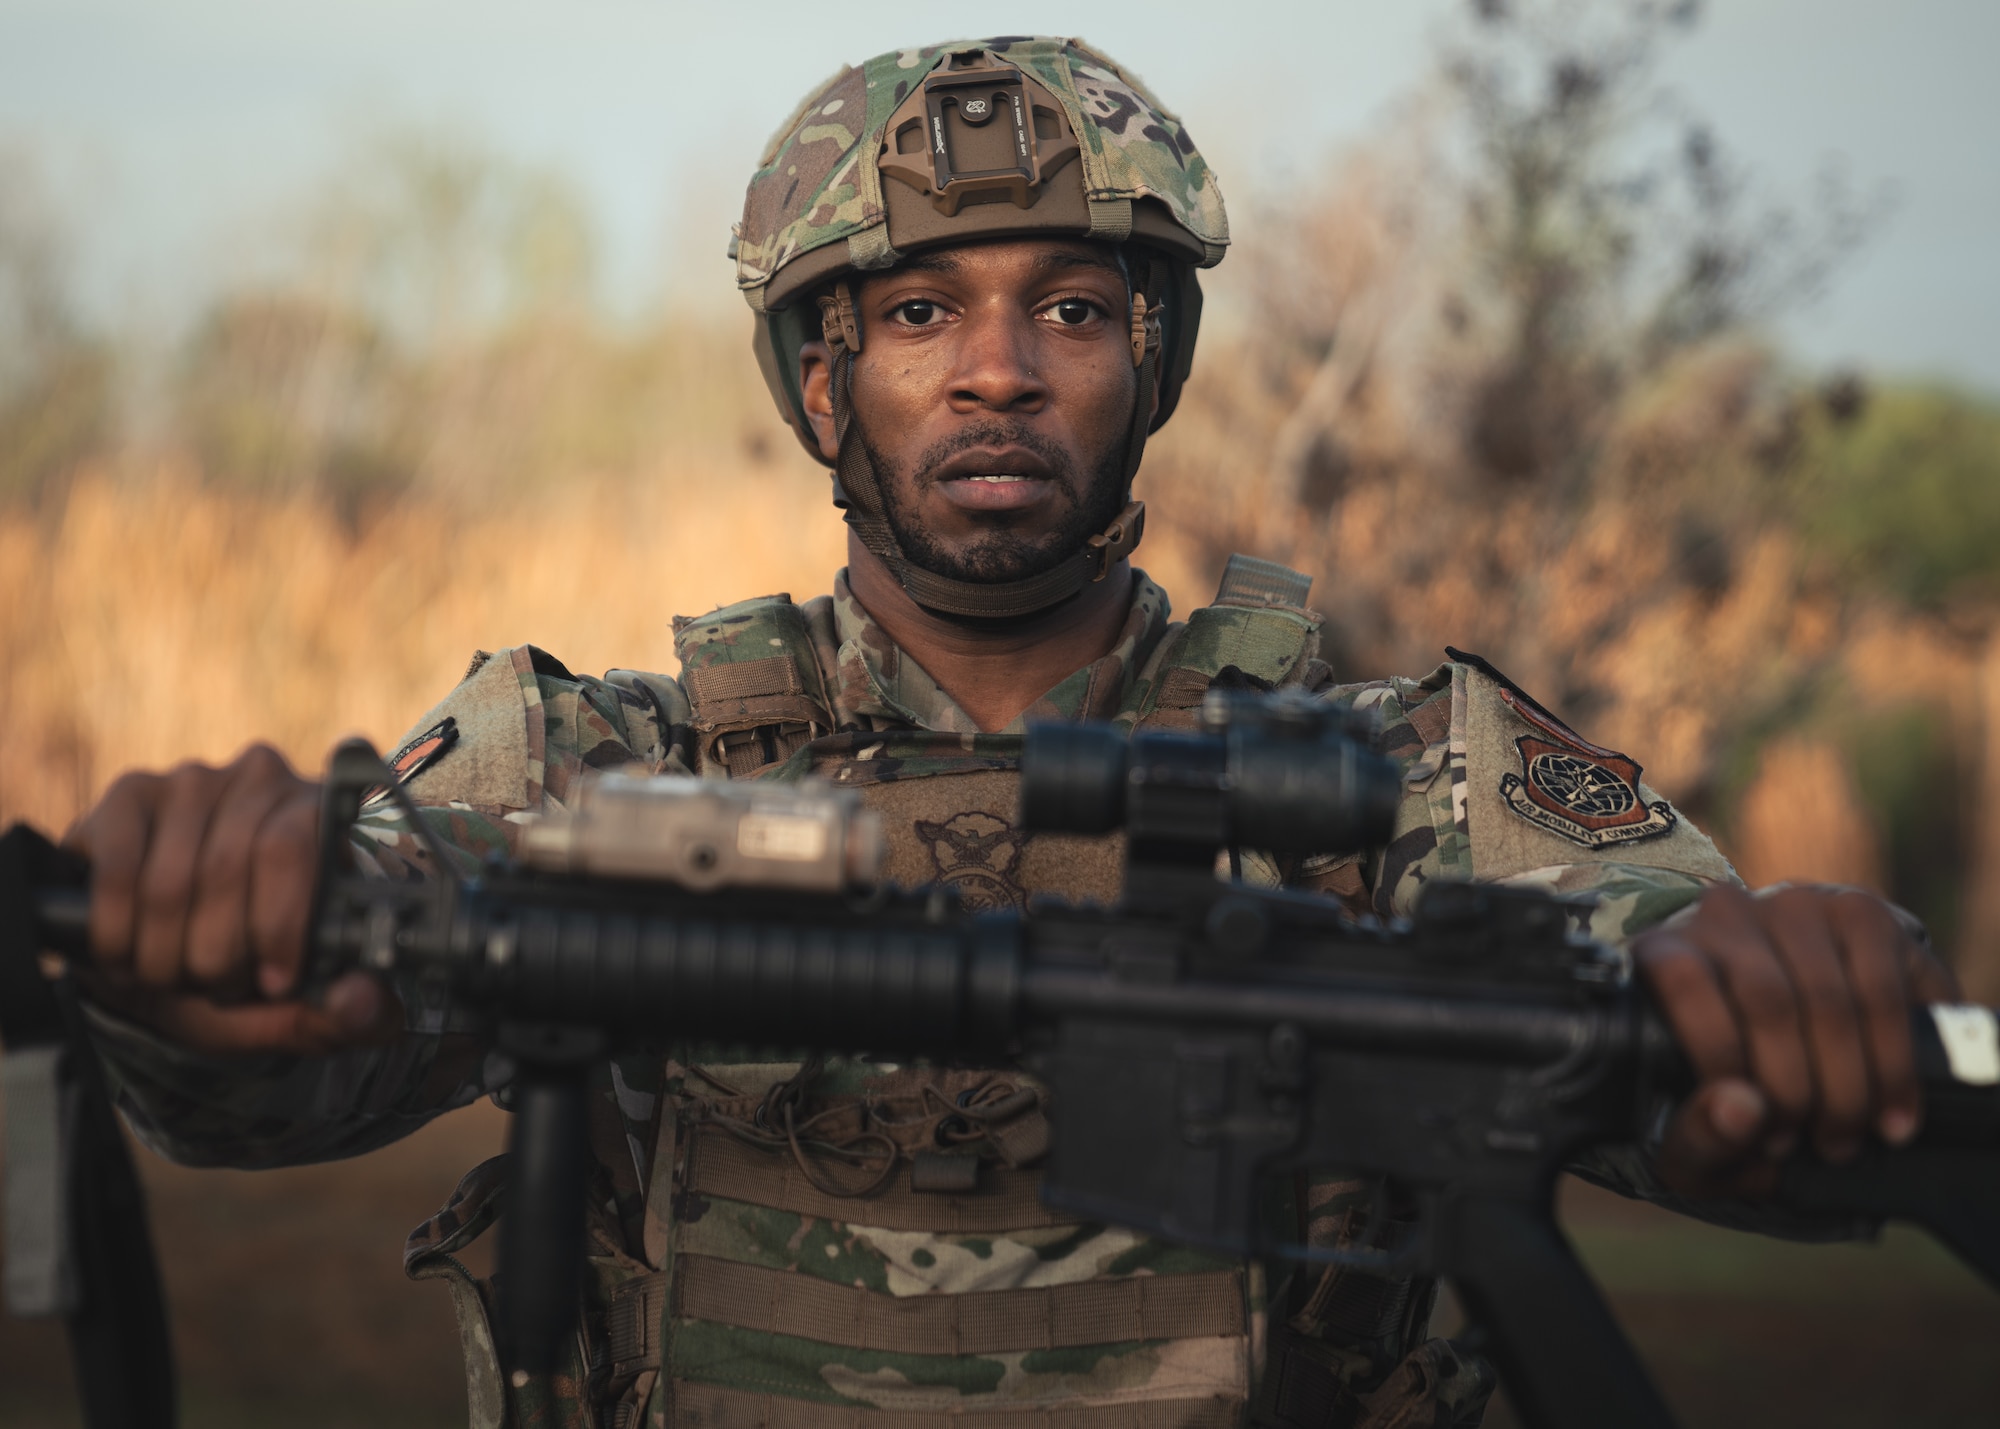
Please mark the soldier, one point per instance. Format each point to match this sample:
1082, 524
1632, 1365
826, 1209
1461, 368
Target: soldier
973, 272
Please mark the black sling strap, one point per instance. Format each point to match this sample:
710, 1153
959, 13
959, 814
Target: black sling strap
77, 1238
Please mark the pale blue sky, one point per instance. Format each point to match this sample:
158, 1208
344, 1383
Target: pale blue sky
175, 130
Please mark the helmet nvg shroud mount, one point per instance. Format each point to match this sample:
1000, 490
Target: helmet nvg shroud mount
947, 144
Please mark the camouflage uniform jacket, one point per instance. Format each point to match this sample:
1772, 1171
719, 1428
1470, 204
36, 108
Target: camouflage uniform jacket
518, 734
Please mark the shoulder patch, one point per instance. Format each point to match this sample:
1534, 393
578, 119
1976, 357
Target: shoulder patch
417, 753
1576, 790
1537, 792
423, 750
1587, 795
483, 726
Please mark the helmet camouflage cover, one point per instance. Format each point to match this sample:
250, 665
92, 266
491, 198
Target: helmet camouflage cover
919, 148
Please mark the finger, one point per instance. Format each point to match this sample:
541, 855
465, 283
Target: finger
1797, 923
1690, 997
1713, 1145
166, 880
1727, 929
284, 864
357, 1010
218, 937
1929, 980
1876, 949
113, 836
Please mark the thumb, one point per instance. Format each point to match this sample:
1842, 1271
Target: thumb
357, 1010
1714, 1144
359, 1007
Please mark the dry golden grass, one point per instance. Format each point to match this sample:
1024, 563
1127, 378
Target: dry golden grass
157, 620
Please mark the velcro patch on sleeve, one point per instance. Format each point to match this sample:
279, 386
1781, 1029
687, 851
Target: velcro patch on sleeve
473, 746
1540, 794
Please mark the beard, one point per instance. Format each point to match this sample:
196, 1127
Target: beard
1095, 495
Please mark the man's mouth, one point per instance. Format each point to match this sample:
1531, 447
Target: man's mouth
1004, 479
996, 492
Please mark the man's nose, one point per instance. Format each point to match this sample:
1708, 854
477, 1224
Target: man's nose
995, 371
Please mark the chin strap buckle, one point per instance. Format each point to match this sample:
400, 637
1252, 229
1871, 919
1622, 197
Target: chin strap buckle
1117, 540
1145, 327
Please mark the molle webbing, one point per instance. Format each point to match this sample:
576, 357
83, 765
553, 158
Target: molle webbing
780, 1313
981, 1322
754, 683
1258, 626
720, 1165
709, 1404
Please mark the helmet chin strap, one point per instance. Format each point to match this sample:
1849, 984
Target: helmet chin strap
856, 479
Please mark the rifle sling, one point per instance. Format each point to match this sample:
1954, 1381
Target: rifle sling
86, 1236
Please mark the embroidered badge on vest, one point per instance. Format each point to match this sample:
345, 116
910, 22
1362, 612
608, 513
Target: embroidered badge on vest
419, 753
975, 854
1579, 790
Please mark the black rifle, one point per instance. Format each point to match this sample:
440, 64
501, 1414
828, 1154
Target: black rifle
1197, 1038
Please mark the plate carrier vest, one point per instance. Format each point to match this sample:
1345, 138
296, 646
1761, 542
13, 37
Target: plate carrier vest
737, 1160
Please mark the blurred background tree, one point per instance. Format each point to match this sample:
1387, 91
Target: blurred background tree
56, 379
1505, 384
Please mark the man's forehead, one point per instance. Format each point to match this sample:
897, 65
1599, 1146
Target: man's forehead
1038, 255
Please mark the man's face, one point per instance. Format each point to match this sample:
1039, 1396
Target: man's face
994, 392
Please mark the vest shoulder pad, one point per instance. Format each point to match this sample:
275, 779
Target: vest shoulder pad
1258, 634
753, 683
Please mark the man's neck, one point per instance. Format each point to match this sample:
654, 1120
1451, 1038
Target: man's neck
994, 672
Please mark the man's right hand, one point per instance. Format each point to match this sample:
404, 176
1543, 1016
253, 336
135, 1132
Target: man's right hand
200, 889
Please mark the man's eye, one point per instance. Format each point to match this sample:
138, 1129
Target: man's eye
919, 312
1073, 312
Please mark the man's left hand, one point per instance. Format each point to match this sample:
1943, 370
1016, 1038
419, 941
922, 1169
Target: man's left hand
1794, 1012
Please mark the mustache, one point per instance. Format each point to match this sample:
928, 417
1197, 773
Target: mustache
996, 433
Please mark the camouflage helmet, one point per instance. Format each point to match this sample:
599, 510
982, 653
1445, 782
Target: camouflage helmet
919, 148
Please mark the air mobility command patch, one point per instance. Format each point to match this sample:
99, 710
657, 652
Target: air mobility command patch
1574, 789
1586, 793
